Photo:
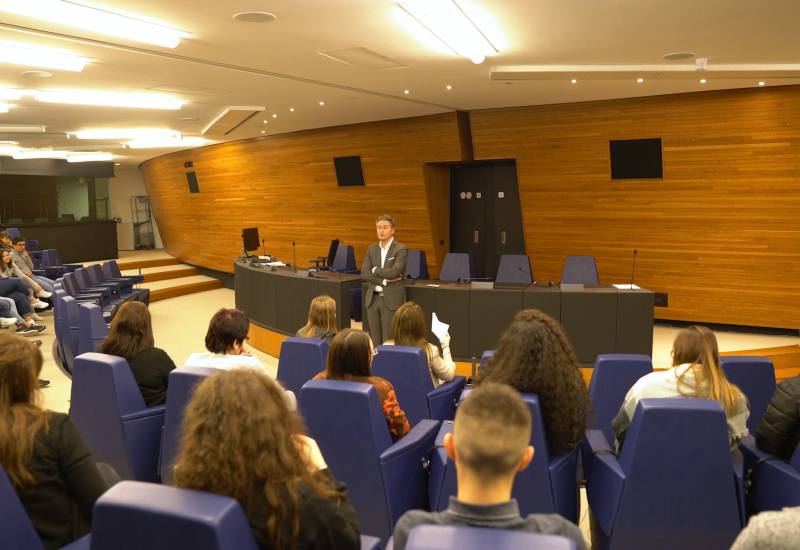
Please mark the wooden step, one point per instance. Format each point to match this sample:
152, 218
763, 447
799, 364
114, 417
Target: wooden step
183, 290
148, 263
171, 274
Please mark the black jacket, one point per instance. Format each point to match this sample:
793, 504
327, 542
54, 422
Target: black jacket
779, 430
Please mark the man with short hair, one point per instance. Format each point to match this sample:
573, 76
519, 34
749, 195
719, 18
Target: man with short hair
384, 268
489, 445
23, 261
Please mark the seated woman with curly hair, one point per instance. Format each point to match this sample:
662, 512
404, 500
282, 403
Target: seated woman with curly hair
240, 440
534, 356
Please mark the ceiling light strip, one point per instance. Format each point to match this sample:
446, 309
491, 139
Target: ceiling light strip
48, 59
107, 99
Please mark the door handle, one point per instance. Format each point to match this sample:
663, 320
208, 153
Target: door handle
503, 237
476, 236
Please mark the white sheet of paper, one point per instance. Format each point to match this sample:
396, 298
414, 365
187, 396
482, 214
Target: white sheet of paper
437, 327
627, 287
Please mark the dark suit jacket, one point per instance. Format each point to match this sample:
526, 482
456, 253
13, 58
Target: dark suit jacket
395, 266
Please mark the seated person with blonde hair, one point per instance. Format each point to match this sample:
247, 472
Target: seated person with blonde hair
321, 320
489, 444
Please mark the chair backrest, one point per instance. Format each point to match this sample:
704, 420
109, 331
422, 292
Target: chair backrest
16, 526
182, 383
580, 270
103, 392
755, 376
612, 377
332, 251
13, 231
456, 266
133, 515
678, 477
92, 327
346, 420
417, 265
111, 269
485, 358
436, 537
406, 368
96, 274
514, 268
50, 259
345, 259
67, 319
83, 279
301, 359
537, 490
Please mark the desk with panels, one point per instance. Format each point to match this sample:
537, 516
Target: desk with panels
279, 300
598, 319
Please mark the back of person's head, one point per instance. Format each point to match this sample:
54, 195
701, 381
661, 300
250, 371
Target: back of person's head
697, 346
321, 314
534, 356
408, 326
20, 416
492, 431
349, 356
4, 236
131, 331
239, 440
226, 327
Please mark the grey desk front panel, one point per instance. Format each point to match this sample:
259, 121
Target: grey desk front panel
452, 307
589, 318
635, 321
255, 294
490, 314
545, 299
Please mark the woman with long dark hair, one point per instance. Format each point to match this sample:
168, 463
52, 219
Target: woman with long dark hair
350, 358
696, 372
131, 337
240, 440
534, 356
42, 452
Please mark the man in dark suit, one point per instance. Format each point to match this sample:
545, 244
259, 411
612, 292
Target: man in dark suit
384, 268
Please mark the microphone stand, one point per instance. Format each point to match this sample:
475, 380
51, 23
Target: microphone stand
294, 257
634, 267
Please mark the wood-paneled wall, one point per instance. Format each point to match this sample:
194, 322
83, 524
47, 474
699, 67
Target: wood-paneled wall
719, 233
286, 186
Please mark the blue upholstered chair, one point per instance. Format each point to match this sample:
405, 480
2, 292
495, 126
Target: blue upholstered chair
111, 271
14, 232
514, 268
755, 376
70, 285
675, 484
127, 292
613, 375
180, 390
92, 327
436, 537
580, 270
457, 266
133, 515
345, 260
772, 484
485, 358
110, 413
549, 485
301, 359
110, 290
15, 525
417, 265
51, 258
407, 370
385, 479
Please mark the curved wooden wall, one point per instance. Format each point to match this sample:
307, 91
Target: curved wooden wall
720, 233
286, 186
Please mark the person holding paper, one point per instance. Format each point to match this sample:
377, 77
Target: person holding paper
383, 268
408, 329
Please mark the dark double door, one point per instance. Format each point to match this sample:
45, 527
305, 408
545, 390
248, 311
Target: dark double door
485, 213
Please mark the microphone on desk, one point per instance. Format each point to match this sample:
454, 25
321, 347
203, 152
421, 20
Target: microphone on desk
470, 279
294, 257
263, 247
527, 273
411, 278
633, 271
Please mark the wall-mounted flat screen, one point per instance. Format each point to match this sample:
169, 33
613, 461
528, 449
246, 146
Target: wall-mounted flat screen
250, 238
191, 177
349, 172
636, 159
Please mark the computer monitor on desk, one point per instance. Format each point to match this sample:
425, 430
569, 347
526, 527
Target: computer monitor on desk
249, 241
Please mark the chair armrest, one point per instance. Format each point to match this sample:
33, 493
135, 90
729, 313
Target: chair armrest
404, 477
83, 543
442, 400
737, 461
371, 543
563, 469
594, 442
143, 435
772, 484
145, 413
604, 487
39, 272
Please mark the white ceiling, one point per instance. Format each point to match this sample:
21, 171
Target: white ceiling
278, 65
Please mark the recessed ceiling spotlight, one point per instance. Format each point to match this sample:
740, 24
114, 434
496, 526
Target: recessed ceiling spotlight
449, 87
703, 81
291, 109
265, 122
189, 119
640, 80
263, 131
254, 17
574, 81
761, 83
274, 115
405, 92
679, 56
322, 103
